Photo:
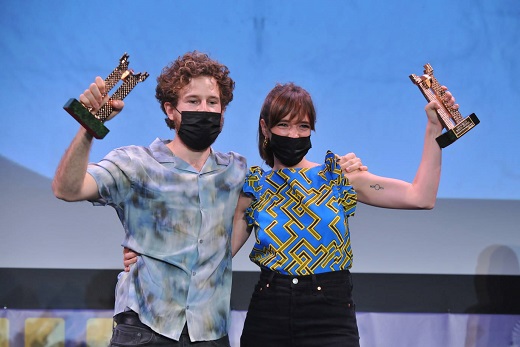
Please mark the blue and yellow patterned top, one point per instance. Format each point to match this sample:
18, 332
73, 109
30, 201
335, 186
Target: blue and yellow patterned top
180, 221
300, 218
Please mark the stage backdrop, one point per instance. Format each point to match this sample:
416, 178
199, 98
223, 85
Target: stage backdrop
354, 58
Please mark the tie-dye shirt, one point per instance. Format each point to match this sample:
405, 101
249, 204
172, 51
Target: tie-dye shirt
300, 218
180, 221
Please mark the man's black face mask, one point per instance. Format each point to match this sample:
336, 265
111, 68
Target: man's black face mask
199, 129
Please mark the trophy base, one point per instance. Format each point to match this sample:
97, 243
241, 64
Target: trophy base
460, 129
93, 125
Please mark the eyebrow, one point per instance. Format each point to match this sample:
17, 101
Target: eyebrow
195, 95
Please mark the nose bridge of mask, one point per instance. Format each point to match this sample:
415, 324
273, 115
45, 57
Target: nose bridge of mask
202, 117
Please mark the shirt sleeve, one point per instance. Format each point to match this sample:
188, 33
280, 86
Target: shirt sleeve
347, 195
112, 181
252, 188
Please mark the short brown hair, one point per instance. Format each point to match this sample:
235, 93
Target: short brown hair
179, 73
282, 100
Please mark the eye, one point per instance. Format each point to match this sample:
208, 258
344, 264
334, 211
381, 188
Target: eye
305, 126
282, 125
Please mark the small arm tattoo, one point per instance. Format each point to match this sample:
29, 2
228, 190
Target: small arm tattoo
377, 187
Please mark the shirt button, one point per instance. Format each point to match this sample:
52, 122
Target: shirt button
295, 280
201, 241
193, 273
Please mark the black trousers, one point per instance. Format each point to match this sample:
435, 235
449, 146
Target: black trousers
301, 311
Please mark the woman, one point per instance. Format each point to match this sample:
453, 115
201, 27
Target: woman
299, 213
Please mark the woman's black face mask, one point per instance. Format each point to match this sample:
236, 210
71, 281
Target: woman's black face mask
290, 150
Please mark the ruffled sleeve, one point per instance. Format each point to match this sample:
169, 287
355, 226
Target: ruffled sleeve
252, 183
347, 195
252, 188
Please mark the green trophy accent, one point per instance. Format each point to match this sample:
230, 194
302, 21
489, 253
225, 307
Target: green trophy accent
93, 123
450, 117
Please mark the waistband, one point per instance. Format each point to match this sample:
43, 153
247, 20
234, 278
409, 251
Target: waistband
132, 318
272, 277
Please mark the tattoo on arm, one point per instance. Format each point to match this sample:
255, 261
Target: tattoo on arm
377, 186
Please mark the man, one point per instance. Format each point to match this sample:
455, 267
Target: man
176, 201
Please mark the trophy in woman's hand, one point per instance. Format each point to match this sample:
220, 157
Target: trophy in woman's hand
451, 119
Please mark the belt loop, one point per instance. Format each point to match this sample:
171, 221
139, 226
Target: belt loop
270, 278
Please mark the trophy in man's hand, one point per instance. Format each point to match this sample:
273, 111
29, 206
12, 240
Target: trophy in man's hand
93, 122
451, 119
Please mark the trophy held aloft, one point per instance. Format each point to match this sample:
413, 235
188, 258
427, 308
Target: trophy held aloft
451, 119
93, 122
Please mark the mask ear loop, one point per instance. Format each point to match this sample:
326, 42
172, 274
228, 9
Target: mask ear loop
181, 118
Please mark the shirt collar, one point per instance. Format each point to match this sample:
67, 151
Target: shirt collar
163, 155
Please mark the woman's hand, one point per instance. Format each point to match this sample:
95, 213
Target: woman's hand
129, 258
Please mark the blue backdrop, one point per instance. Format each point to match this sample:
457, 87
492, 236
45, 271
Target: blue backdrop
353, 56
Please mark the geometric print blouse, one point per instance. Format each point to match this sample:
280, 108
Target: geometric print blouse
300, 218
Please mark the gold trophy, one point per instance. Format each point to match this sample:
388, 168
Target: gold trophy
451, 119
93, 122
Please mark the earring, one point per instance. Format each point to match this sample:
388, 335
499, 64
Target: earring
265, 142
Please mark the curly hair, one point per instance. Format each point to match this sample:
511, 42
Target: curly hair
282, 100
180, 72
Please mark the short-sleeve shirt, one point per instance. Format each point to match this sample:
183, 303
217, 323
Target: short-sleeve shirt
300, 218
180, 221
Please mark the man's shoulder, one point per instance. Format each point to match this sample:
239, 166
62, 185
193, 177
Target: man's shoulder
131, 150
232, 158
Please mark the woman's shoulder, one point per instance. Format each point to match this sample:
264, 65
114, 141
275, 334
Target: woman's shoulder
254, 175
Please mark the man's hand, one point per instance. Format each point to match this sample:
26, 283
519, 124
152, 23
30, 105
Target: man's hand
349, 163
95, 96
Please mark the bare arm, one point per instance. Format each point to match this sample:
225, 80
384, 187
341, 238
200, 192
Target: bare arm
71, 181
422, 192
241, 231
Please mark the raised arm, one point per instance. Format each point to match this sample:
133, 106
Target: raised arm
71, 181
422, 192
241, 231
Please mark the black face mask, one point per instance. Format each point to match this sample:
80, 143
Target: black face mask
198, 130
290, 150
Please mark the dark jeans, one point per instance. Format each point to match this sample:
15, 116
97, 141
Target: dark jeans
129, 331
301, 311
